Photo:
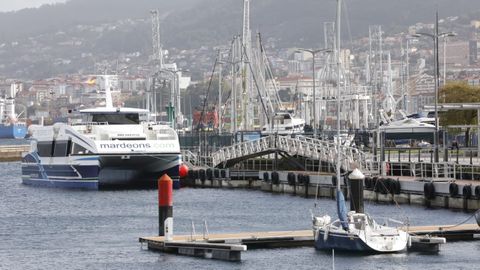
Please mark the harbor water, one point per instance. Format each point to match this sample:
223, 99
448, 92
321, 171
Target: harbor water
43, 228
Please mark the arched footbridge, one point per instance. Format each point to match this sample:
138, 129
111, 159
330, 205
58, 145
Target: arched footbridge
299, 146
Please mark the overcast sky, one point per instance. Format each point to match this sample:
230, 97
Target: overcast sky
10, 5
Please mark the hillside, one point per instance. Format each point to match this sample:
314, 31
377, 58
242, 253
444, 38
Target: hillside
190, 23
71, 37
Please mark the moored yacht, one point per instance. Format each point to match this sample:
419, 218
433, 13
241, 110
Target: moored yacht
407, 125
283, 123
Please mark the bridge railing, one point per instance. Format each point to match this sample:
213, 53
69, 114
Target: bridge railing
303, 146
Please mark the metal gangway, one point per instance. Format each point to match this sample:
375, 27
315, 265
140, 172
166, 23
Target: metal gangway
314, 149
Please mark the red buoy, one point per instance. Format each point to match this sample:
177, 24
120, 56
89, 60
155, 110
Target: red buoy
165, 201
183, 171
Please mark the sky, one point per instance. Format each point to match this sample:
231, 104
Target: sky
11, 5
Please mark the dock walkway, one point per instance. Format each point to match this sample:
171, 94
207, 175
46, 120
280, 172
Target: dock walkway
228, 246
12, 152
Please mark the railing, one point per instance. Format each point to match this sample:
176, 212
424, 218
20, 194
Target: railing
461, 156
302, 146
462, 164
196, 160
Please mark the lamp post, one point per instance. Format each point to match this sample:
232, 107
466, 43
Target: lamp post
435, 37
314, 52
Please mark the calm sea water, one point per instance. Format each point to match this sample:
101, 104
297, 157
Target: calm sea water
44, 228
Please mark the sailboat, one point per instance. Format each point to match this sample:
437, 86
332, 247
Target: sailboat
356, 231
353, 231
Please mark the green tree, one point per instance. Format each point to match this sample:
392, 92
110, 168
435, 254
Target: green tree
459, 92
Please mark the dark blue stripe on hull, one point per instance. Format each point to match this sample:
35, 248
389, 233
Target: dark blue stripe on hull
60, 171
341, 242
92, 185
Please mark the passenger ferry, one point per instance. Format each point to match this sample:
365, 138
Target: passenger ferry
109, 147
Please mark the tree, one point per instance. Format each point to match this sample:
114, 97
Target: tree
459, 92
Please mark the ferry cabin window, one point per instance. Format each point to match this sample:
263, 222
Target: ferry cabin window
79, 150
60, 149
44, 149
117, 118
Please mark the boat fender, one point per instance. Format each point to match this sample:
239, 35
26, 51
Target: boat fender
291, 178
453, 188
366, 182
477, 192
223, 173
429, 190
192, 174
374, 182
386, 186
266, 177
467, 192
378, 185
306, 179
183, 171
390, 185
301, 178
216, 173
202, 175
209, 174
275, 178
398, 187
334, 180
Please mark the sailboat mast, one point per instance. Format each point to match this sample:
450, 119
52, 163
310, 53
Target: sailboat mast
337, 52
108, 92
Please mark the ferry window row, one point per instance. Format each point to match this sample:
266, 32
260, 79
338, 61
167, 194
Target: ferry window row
60, 149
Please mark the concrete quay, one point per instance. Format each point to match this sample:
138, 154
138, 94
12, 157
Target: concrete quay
12, 152
450, 194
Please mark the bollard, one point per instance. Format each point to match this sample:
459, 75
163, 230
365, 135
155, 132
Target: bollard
165, 202
356, 188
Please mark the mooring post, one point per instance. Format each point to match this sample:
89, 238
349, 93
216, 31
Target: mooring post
356, 190
165, 202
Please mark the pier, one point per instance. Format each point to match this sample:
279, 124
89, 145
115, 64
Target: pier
12, 152
228, 246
